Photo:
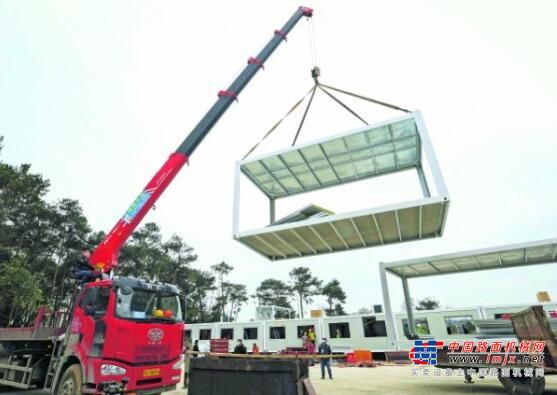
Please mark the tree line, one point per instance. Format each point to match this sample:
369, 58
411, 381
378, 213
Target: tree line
302, 287
40, 241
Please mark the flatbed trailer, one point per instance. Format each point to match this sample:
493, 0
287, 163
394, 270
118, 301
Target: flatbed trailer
36, 344
528, 325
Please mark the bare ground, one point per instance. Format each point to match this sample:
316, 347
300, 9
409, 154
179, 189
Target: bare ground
388, 380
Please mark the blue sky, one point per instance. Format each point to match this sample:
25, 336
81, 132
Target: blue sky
97, 95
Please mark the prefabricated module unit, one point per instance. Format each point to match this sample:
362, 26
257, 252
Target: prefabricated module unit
120, 334
400, 144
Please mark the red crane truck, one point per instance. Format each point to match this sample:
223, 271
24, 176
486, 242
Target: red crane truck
113, 338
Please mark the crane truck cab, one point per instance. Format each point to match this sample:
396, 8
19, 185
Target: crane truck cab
122, 335
127, 334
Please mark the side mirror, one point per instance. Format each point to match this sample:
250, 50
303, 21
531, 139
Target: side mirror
183, 303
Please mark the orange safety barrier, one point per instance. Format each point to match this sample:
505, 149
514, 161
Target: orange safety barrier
362, 356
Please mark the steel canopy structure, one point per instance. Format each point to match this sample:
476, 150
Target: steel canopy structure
396, 145
501, 257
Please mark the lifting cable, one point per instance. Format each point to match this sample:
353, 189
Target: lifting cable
381, 103
305, 114
279, 122
315, 73
324, 88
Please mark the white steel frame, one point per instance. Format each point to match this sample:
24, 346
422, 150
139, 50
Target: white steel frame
385, 267
424, 143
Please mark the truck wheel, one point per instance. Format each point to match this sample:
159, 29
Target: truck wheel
523, 385
70, 384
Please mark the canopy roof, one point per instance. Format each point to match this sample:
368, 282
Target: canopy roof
388, 147
341, 232
512, 255
356, 155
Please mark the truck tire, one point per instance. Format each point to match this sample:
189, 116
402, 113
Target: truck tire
523, 385
70, 384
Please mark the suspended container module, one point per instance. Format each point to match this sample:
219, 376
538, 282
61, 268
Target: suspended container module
376, 150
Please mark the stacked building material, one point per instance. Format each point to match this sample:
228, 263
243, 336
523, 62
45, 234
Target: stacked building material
219, 346
494, 327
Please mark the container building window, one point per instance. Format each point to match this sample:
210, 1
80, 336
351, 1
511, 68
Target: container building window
277, 332
339, 330
374, 327
250, 333
204, 334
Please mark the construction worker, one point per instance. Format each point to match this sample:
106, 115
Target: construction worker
195, 348
310, 347
82, 269
325, 349
240, 348
311, 335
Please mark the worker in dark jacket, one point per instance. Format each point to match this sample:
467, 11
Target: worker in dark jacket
195, 348
240, 348
82, 269
325, 349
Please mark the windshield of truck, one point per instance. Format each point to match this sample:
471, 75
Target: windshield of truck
148, 305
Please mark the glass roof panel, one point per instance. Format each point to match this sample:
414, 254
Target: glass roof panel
378, 136
272, 163
521, 254
346, 171
292, 158
403, 129
334, 147
342, 158
361, 154
308, 180
406, 157
326, 176
405, 143
356, 141
385, 162
364, 166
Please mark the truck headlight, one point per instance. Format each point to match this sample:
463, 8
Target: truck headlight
178, 364
111, 370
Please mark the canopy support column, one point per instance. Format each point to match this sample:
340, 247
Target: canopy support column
271, 211
236, 204
392, 335
409, 312
423, 181
432, 159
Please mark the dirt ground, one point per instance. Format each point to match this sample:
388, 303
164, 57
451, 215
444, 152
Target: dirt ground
392, 380
389, 380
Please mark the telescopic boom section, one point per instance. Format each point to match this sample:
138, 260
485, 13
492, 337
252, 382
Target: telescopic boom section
106, 254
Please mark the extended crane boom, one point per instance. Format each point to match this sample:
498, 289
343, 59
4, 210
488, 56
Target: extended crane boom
106, 254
